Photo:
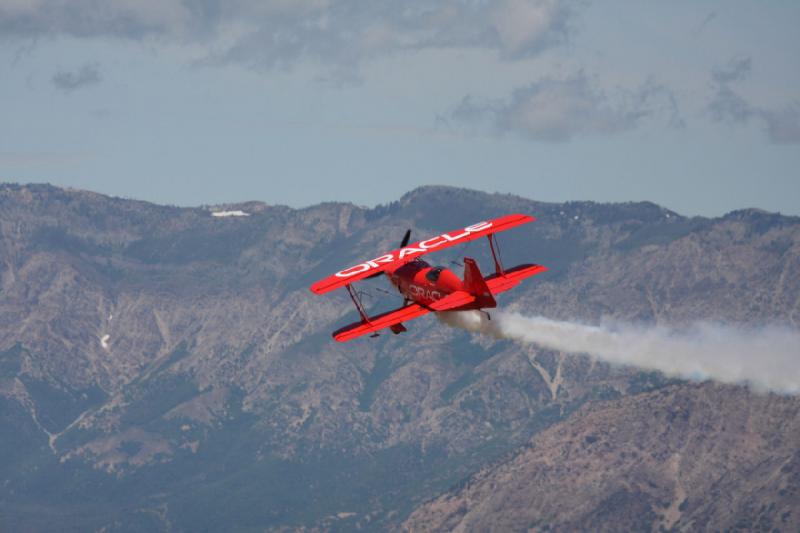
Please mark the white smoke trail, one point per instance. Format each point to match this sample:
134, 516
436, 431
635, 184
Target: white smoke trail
766, 358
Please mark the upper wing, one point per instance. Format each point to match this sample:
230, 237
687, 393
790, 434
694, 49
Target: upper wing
440, 242
375, 323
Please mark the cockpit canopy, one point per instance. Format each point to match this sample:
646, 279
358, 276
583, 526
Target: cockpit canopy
434, 273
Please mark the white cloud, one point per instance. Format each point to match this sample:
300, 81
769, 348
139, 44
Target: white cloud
781, 124
69, 81
556, 110
526, 26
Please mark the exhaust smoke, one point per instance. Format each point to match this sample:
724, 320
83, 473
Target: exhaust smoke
766, 358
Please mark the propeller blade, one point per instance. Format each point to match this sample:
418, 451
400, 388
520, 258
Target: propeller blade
406, 238
403, 243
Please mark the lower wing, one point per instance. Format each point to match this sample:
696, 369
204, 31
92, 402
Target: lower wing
460, 299
376, 323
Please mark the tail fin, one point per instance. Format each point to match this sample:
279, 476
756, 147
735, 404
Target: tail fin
476, 285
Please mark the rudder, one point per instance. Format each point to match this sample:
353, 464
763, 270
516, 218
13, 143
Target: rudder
476, 285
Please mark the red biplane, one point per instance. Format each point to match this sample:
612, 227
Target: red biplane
427, 288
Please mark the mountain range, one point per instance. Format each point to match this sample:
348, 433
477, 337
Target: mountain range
167, 369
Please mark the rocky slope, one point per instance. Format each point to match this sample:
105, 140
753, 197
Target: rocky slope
162, 368
684, 458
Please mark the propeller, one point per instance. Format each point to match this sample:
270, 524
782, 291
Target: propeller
403, 243
406, 238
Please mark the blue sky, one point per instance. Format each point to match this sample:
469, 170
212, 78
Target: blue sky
694, 105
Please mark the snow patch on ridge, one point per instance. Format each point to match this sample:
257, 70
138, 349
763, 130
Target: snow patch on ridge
229, 214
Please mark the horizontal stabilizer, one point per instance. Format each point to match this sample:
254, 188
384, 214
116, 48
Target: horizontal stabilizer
511, 278
452, 301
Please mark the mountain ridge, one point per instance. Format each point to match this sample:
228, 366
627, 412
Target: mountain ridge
420, 190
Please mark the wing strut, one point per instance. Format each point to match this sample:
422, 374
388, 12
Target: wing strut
358, 304
498, 266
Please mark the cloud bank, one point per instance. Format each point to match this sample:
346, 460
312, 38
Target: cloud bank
271, 33
556, 110
768, 358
